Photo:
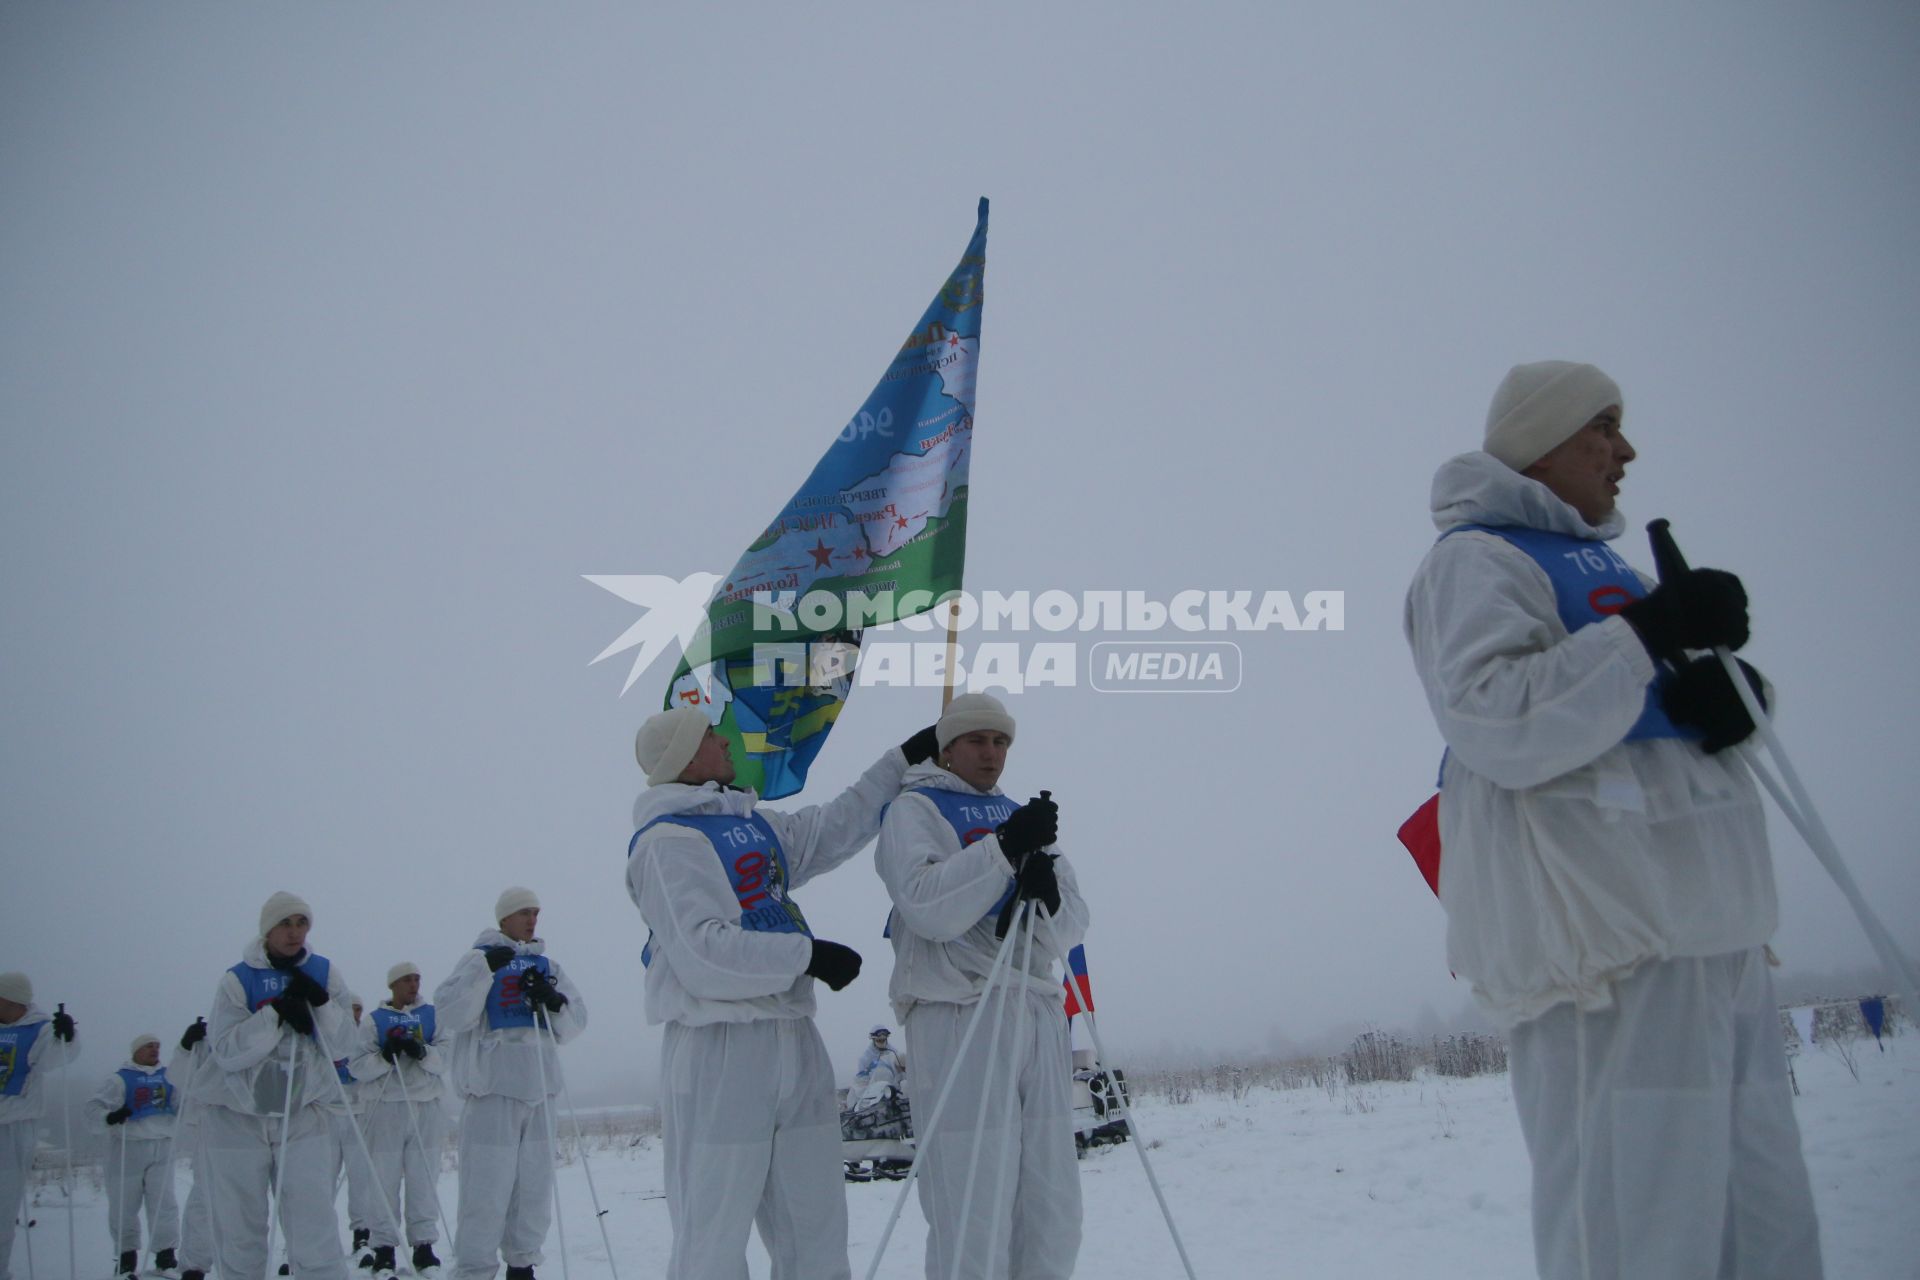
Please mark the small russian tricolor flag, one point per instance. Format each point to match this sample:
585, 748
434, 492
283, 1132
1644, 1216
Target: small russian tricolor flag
1079, 986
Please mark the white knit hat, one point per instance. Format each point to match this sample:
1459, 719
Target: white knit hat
405, 969
145, 1037
1541, 404
666, 742
515, 899
280, 906
16, 987
971, 711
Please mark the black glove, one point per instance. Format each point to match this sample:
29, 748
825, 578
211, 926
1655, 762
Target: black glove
294, 1012
1031, 827
119, 1117
194, 1034
538, 990
1697, 609
1038, 882
390, 1047
921, 747
63, 1024
499, 958
1701, 696
415, 1049
834, 964
302, 985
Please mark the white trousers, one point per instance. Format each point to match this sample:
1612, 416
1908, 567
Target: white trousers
752, 1136
140, 1176
401, 1164
1662, 1133
242, 1154
17, 1141
196, 1220
506, 1186
1025, 1217
363, 1203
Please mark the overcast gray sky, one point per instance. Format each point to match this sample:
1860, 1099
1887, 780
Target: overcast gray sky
337, 342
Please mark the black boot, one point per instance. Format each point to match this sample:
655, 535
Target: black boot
286, 1269
519, 1273
165, 1261
191, 1274
360, 1237
383, 1264
130, 1263
424, 1260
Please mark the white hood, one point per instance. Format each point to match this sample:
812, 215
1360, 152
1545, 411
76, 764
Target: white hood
1478, 488
670, 798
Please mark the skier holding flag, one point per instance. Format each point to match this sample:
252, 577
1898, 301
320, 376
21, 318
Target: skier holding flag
748, 1116
1606, 878
279, 1019
954, 852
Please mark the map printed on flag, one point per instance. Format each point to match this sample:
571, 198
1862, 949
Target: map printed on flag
881, 519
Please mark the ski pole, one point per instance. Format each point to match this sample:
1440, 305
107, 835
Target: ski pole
431, 1159
1023, 1015
66, 1114
1001, 959
553, 1143
1021, 914
120, 1227
580, 1145
1138, 1143
286, 1128
1800, 811
353, 1122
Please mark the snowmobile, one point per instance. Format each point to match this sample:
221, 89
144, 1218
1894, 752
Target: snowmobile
1098, 1096
876, 1129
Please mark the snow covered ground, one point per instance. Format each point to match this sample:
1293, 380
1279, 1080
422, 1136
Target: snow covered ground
1427, 1178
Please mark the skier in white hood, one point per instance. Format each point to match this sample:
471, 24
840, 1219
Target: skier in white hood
954, 852
402, 1070
138, 1107
279, 1019
32, 1043
1606, 878
507, 1004
748, 1117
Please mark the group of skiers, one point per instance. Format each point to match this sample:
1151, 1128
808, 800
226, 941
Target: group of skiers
1607, 884
289, 1082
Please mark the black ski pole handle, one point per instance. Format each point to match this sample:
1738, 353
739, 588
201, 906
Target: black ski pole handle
1668, 563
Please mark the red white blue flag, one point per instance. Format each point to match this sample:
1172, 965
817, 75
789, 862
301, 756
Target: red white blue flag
1079, 986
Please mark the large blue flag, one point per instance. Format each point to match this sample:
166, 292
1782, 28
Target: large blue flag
876, 533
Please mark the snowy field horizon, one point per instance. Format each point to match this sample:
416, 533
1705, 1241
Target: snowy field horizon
1328, 1178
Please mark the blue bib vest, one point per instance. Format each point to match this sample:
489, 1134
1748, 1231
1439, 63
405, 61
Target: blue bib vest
755, 866
147, 1092
261, 986
16, 1043
506, 1004
1591, 583
972, 818
415, 1024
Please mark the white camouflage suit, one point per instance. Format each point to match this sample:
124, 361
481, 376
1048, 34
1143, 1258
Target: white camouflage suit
749, 1121
403, 1097
1610, 901
350, 1163
196, 1219
242, 1100
19, 1117
507, 1124
1025, 1219
139, 1166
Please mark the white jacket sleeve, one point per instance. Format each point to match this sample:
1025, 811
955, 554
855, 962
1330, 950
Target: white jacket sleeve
50, 1051
572, 1018
685, 899
366, 1062
241, 1039
111, 1094
819, 838
1516, 698
939, 898
461, 997
333, 1025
